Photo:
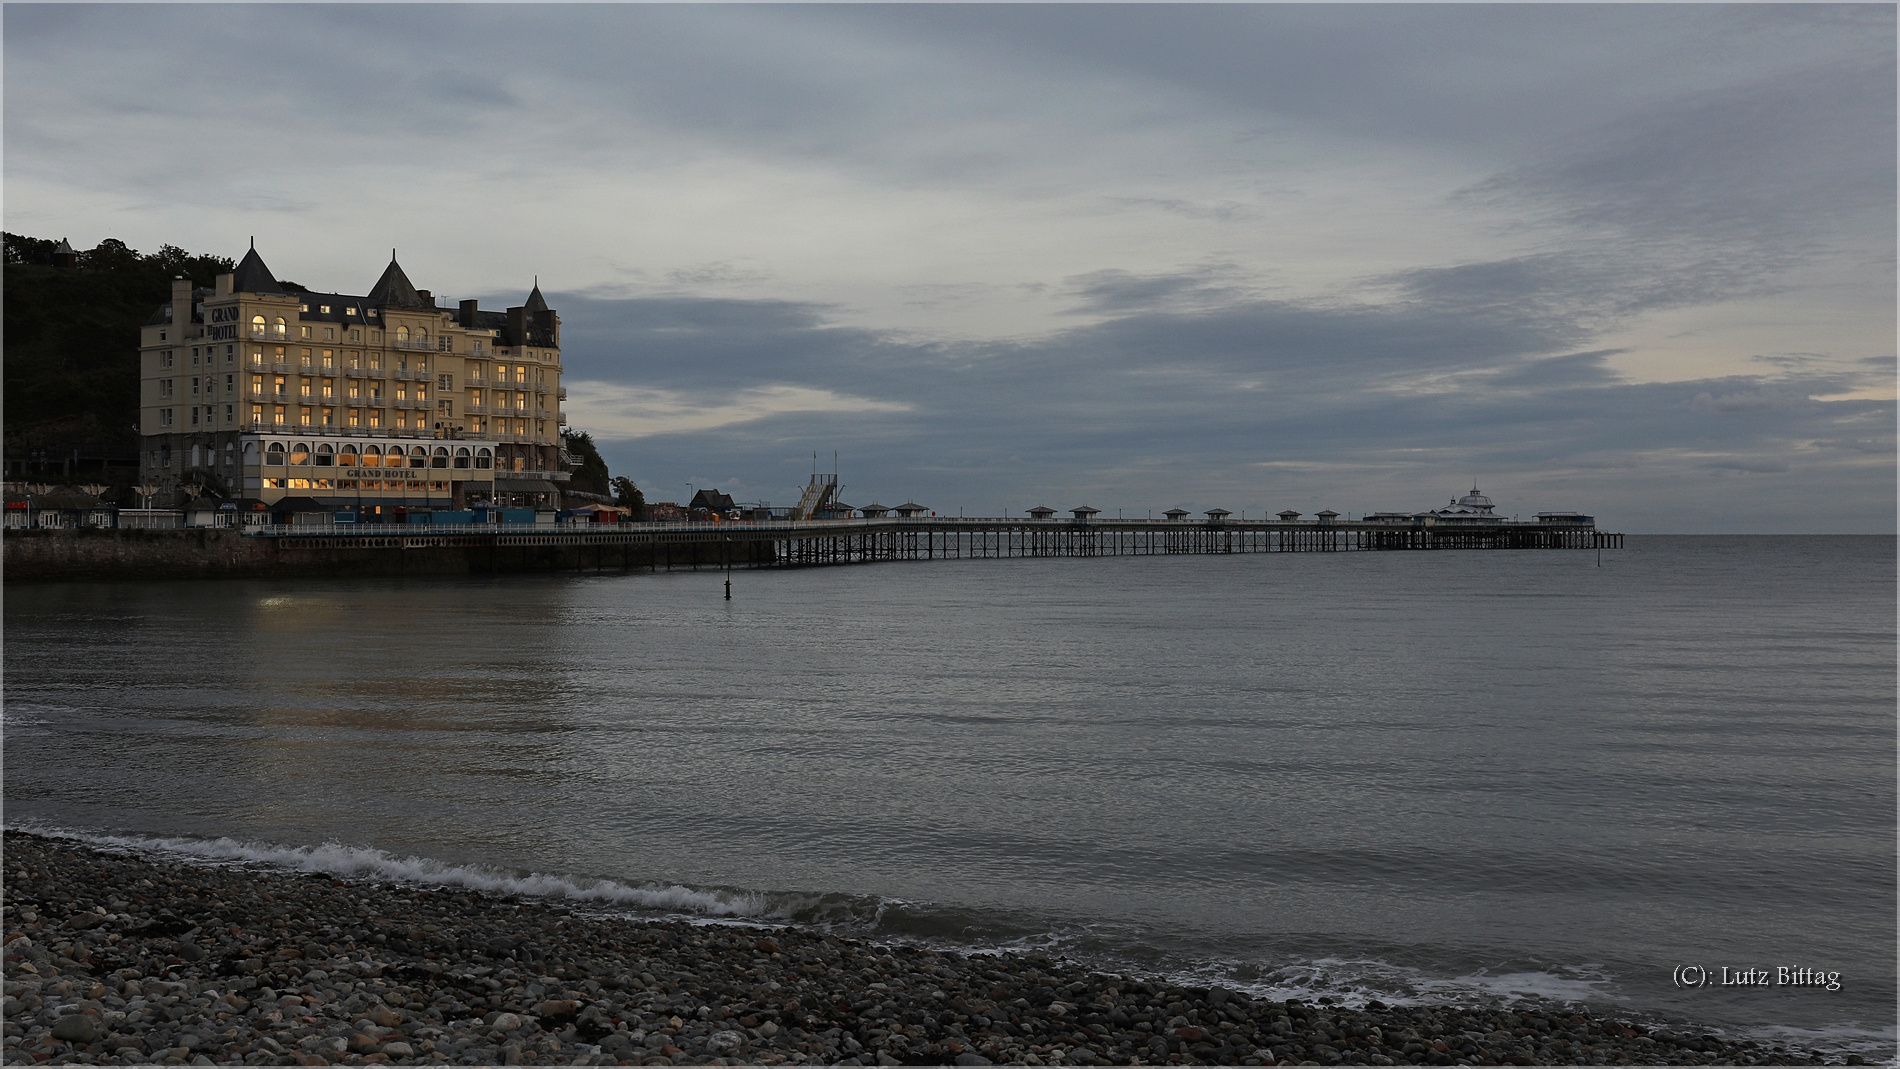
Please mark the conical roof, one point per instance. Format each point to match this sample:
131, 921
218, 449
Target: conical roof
253, 277
393, 290
536, 302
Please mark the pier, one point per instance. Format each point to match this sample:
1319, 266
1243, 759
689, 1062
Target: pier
340, 549
812, 543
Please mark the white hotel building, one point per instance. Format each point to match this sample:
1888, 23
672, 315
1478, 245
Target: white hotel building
367, 402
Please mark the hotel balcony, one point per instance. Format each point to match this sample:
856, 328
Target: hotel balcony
355, 372
563, 419
405, 373
561, 393
475, 410
475, 382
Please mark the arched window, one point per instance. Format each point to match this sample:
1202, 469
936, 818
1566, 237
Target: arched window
326, 456
441, 457
461, 456
484, 458
257, 326
422, 338
346, 456
372, 456
274, 455
402, 335
250, 453
300, 453
280, 327
418, 458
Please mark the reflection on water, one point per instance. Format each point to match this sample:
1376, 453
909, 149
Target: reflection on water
1398, 771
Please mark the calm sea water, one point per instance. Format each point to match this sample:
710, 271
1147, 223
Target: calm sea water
1408, 776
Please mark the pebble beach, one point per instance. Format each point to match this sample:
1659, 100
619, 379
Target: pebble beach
114, 958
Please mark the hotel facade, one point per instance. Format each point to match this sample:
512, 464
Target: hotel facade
368, 403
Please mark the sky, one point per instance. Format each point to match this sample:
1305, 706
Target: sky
1631, 260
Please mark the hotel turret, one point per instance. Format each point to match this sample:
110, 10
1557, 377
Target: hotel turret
372, 403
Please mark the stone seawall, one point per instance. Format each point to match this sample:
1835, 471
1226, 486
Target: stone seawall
206, 553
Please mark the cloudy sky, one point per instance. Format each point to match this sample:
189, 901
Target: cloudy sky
1634, 260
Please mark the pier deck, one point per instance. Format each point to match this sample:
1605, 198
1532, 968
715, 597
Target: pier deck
807, 543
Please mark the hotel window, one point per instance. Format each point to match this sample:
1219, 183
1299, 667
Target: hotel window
303, 389
326, 456
303, 332
278, 382
230, 354
230, 384
375, 336
194, 422
441, 457
257, 413
329, 389
329, 417
329, 359
445, 409
194, 356
356, 335
164, 387
417, 458
281, 329
422, 393
257, 326
422, 338
355, 418
274, 455
375, 417
165, 358
329, 333
461, 456
164, 417
346, 456
445, 382
355, 391
194, 386
484, 459
303, 359
324, 308
402, 335
475, 425
161, 335
229, 413
303, 417
277, 414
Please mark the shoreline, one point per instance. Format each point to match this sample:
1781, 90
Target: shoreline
114, 958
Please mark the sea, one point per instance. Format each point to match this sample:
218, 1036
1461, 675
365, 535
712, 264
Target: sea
1620, 781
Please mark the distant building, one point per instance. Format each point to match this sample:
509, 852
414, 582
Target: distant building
910, 510
875, 511
1041, 512
371, 402
712, 501
64, 256
1176, 514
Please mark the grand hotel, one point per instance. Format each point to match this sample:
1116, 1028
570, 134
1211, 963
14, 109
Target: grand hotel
368, 402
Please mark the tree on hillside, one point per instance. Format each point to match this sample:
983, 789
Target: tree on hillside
590, 474
72, 340
628, 496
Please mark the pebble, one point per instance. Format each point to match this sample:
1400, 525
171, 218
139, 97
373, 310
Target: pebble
116, 959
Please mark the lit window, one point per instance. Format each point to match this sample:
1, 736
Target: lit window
257, 326
324, 308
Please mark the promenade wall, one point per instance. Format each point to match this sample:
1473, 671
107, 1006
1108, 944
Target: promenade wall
210, 553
